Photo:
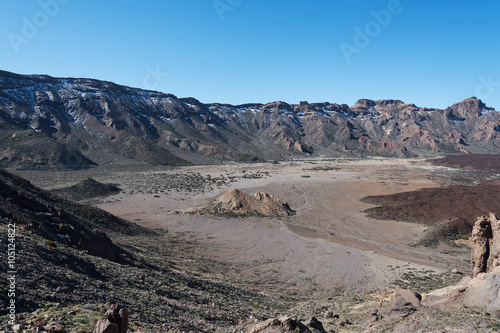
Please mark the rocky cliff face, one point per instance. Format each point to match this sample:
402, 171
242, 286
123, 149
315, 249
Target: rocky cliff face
81, 122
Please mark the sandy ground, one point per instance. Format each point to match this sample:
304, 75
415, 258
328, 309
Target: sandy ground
328, 243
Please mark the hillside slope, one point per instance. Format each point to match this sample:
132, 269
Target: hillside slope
76, 257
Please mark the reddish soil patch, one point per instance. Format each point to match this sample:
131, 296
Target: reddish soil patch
472, 161
453, 210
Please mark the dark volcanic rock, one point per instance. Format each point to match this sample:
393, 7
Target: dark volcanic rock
281, 324
87, 188
438, 207
470, 161
43, 214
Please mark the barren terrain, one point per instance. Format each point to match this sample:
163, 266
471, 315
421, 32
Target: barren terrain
329, 243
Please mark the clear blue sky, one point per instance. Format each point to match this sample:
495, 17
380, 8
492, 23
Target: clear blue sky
431, 53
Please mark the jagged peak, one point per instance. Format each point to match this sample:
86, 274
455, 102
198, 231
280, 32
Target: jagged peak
471, 100
277, 105
385, 102
364, 103
192, 100
469, 107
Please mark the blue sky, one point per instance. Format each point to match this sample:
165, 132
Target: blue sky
431, 53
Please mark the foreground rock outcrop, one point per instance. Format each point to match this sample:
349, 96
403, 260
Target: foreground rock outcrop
483, 288
281, 324
236, 203
482, 291
406, 302
115, 321
485, 254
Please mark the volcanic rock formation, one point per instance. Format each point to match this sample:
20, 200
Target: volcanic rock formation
85, 189
237, 203
281, 324
115, 321
485, 254
483, 288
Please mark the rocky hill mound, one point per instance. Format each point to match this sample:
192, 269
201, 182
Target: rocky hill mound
86, 189
76, 123
235, 203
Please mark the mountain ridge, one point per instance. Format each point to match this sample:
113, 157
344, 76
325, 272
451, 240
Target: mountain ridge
78, 122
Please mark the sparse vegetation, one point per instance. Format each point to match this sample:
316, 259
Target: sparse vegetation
170, 286
50, 243
423, 281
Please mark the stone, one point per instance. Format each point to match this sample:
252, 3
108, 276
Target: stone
63, 290
314, 323
406, 302
485, 244
280, 324
374, 317
105, 326
54, 327
115, 320
409, 296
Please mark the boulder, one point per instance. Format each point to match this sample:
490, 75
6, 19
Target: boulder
54, 327
115, 320
406, 302
374, 317
482, 291
280, 325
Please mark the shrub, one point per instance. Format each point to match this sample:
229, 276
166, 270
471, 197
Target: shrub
51, 243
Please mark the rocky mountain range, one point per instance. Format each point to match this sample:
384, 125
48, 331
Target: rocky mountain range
46, 121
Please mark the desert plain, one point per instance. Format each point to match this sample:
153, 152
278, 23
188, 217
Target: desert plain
329, 244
